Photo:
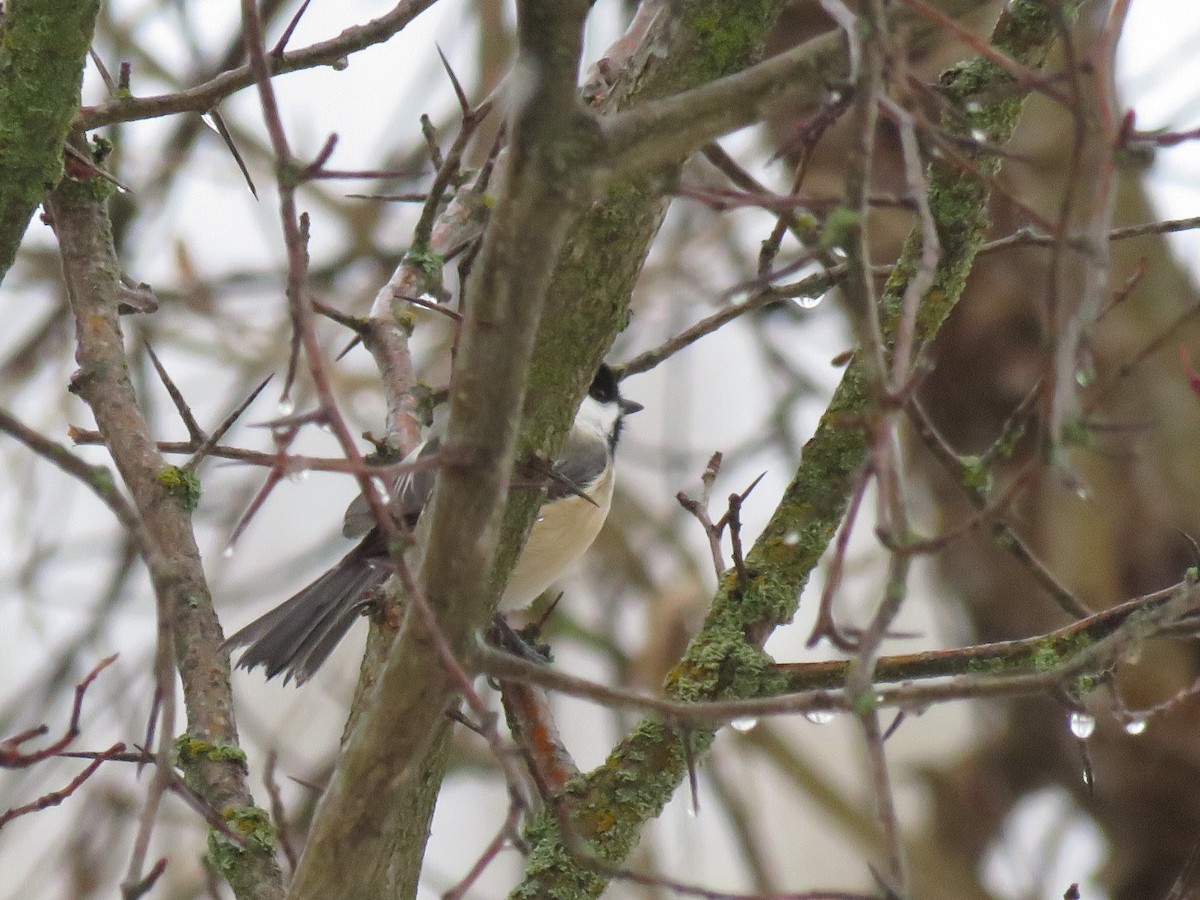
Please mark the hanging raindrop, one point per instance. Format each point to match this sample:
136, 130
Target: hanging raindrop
1081, 724
1135, 726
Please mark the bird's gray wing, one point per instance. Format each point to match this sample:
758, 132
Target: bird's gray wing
410, 493
582, 461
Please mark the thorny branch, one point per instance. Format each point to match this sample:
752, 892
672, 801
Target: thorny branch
203, 97
1054, 664
188, 634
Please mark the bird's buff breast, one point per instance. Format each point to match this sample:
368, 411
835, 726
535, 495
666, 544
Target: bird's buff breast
562, 534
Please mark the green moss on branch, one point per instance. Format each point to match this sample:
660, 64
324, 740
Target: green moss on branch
43, 46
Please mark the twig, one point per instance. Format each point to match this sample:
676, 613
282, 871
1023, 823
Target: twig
931, 248
699, 509
185, 621
733, 519
144, 885
825, 625
295, 239
54, 798
10, 755
203, 97
278, 814
973, 476
1027, 237
508, 832
288, 463
812, 286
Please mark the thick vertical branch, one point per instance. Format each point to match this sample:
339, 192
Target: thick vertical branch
387, 752
210, 758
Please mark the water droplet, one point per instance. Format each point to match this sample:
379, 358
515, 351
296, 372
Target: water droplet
1081, 724
286, 407
791, 539
805, 302
1135, 726
819, 716
979, 134
692, 811
1085, 376
228, 551
974, 106
304, 473
743, 725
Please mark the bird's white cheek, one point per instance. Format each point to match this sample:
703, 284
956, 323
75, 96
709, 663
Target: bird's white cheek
562, 534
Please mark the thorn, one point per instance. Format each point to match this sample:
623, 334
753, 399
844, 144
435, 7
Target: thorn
219, 123
206, 447
463, 103
278, 49
195, 432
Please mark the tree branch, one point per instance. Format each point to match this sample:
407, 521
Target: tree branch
349, 852
667, 130
203, 97
213, 765
1052, 662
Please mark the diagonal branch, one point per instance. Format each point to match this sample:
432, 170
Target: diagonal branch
662, 131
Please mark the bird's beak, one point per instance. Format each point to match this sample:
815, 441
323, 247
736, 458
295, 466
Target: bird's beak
629, 407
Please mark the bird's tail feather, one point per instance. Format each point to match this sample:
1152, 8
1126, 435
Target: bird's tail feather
298, 635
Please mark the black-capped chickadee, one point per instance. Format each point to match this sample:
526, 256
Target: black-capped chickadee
298, 635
